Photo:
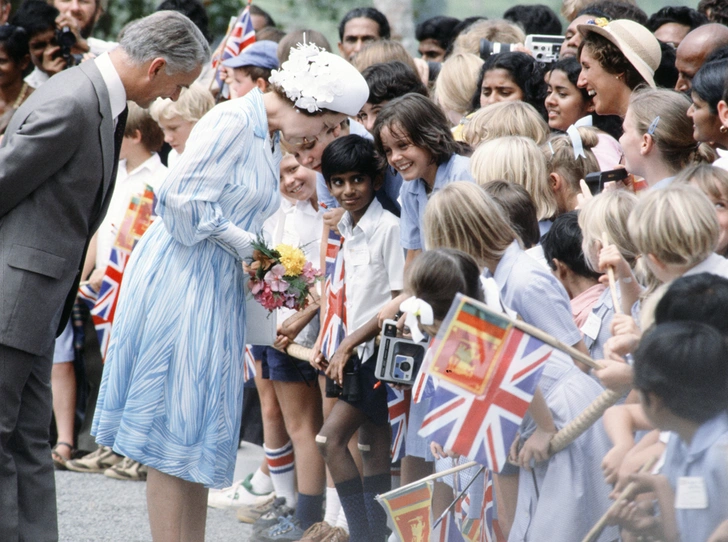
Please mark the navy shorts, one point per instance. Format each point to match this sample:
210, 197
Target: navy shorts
372, 397
283, 368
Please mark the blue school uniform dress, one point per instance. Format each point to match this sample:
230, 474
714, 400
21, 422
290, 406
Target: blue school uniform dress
714, 264
414, 197
172, 387
540, 300
596, 329
698, 472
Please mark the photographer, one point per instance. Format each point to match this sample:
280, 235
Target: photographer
79, 18
39, 21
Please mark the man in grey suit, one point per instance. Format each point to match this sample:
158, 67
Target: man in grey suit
57, 167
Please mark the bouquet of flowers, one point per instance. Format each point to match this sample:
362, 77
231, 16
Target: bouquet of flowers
280, 276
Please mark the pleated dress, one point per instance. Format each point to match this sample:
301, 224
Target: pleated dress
171, 394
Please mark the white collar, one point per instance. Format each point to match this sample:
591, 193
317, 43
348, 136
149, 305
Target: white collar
117, 92
151, 163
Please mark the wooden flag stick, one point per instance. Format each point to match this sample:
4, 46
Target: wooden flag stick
460, 496
435, 476
612, 281
542, 336
599, 525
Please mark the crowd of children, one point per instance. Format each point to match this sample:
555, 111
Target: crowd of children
474, 182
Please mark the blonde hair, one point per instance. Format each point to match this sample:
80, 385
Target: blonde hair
677, 225
457, 82
519, 160
192, 104
608, 213
498, 30
559, 153
463, 216
505, 119
673, 131
711, 180
383, 51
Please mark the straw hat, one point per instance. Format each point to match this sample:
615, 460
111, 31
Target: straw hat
636, 43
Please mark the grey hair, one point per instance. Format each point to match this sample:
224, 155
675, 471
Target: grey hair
169, 35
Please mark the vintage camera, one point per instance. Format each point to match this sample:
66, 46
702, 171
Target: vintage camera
66, 39
399, 359
545, 49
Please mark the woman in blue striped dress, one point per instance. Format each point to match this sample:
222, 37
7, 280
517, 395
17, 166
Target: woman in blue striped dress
171, 392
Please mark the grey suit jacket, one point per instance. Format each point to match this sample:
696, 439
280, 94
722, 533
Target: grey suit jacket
56, 164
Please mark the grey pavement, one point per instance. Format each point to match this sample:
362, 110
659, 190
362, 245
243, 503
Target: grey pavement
94, 508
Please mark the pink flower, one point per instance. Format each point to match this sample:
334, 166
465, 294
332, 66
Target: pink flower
309, 273
290, 302
256, 285
274, 277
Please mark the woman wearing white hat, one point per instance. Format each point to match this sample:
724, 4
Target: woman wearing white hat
172, 390
616, 57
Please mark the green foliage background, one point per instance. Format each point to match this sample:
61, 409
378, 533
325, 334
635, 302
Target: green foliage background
323, 15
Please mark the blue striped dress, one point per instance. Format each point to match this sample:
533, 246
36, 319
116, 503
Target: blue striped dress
172, 388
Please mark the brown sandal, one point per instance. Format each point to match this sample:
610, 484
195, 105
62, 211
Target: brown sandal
59, 462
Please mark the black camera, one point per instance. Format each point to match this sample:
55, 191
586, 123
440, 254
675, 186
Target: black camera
66, 39
545, 48
595, 181
399, 359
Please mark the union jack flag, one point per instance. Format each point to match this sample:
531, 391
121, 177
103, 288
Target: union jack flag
105, 307
335, 319
239, 37
483, 427
398, 405
489, 529
88, 295
248, 364
447, 530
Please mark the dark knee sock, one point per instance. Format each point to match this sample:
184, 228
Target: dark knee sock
377, 517
308, 509
351, 496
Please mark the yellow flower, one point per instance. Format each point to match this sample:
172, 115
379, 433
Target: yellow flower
292, 259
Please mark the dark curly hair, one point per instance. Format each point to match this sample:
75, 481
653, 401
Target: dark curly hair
611, 59
366, 13
682, 15
417, 119
14, 40
715, 10
525, 71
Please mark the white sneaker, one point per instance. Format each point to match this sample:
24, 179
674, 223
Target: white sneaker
239, 494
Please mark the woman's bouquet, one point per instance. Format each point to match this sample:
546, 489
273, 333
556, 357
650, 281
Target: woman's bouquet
280, 276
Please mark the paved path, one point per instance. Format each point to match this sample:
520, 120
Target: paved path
94, 508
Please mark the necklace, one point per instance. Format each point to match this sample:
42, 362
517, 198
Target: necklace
21, 96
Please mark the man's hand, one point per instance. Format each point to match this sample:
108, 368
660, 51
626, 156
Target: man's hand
337, 364
65, 19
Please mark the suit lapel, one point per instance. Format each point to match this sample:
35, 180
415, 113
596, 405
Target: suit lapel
106, 127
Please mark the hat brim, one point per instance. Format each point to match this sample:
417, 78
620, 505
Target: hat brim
634, 59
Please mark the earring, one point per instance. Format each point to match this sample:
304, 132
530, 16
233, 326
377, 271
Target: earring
723, 129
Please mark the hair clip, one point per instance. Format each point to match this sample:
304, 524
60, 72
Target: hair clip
653, 125
599, 21
551, 148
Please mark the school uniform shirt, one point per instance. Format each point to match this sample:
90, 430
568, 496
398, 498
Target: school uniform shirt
300, 225
698, 472
596, 328
722, 161
128, 184
535, 294
664, 183
374, 266
414, 197
717, 265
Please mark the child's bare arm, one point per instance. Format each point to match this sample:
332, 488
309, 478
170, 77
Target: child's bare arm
620, 423
368, 331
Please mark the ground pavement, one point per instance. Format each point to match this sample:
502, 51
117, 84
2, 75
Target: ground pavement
94, 508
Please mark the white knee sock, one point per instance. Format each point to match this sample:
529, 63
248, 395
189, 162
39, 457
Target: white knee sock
282, 474
333, 506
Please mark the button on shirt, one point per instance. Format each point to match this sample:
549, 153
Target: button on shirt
706, 458
414, 197
374, 265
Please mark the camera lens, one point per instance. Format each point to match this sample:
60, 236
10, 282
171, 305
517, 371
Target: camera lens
405, 366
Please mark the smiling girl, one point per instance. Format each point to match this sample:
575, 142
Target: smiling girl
414, 136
